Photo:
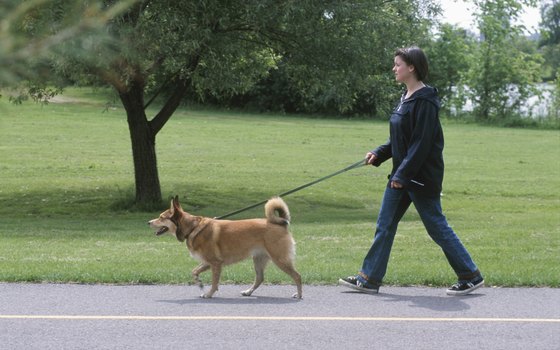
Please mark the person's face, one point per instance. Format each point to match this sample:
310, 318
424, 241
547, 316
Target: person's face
403, 72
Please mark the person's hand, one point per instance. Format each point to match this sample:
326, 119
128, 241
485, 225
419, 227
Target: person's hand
370, 158
396, 185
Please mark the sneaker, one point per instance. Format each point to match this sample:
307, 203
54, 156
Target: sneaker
354, 283
465, 287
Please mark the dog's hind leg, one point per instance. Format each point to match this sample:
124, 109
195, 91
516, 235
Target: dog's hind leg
288, 267
260, 261
197, 271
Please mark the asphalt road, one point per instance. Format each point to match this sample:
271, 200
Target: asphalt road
66, 316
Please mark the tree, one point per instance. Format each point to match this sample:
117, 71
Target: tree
28, 37
352, 52
549, 42
219, 48
449, 55
360, 81
502, 78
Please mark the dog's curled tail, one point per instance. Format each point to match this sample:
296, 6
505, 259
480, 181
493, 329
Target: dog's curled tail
277, 212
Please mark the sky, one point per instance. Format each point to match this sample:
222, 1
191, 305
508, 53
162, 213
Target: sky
458, 12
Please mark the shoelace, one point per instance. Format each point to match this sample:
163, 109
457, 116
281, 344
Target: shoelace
456, 286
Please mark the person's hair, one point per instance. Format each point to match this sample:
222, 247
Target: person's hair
414, 56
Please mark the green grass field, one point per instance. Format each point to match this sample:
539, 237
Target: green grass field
66, 170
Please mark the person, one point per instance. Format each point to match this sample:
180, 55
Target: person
416, 148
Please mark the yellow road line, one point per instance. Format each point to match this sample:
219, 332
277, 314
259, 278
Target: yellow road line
277, 318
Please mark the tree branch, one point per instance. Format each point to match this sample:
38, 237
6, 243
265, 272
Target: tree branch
181, 88
161, 88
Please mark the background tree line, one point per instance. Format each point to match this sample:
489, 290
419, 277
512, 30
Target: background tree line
328, 57
497, 69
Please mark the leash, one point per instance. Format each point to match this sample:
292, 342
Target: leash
350, 167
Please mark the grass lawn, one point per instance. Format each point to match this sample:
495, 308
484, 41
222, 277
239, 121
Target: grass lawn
66, 170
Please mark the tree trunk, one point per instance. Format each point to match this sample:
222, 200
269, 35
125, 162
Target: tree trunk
148, 190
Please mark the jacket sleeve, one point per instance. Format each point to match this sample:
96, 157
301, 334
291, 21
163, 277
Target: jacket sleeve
421, 142
382, 152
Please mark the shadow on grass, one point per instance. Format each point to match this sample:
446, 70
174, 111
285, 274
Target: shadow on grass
197, 200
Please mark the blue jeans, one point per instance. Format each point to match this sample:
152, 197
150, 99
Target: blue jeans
394, 205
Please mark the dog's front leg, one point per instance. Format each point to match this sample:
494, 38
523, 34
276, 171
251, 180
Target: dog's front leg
260, 262
216, 272
197, 271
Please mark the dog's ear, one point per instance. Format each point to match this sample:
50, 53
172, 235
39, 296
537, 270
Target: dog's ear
175, 203
171, 209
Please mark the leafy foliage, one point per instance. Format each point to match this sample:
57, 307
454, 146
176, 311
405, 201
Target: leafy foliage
503, 78
450, 59
341, 60
549, 42
32, 31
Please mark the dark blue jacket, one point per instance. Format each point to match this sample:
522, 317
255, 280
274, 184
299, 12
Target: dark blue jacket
415, 143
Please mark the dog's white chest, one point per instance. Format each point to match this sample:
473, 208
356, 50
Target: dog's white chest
196, 256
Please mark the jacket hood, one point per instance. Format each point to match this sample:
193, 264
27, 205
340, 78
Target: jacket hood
428, 93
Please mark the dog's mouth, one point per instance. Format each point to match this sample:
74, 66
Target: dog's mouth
162, 230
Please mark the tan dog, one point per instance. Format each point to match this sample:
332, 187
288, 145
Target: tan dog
216, 243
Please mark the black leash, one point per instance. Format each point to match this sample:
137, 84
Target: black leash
350, 167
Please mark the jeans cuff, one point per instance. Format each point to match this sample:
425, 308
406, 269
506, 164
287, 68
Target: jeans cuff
469, 276
362, 277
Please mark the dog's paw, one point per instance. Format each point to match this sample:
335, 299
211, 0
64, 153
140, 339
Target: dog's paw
297, 296
206, 296
247, 293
